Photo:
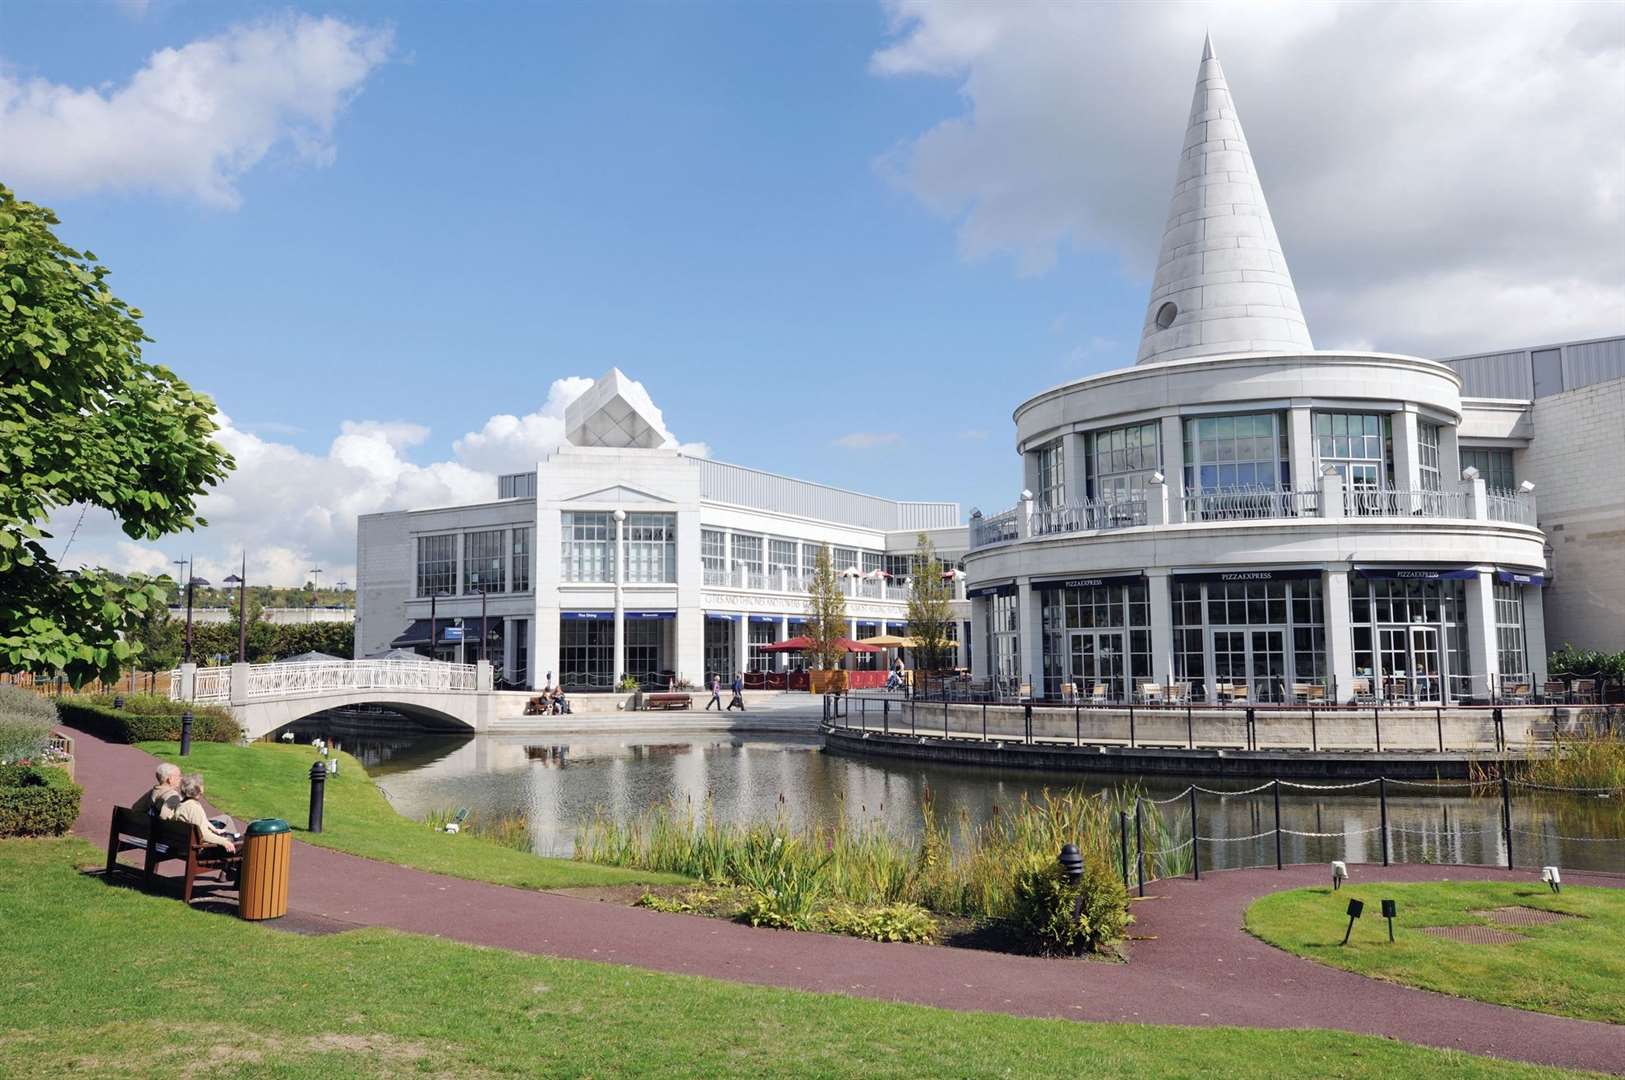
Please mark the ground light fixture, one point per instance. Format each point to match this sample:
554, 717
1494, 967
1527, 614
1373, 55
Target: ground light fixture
1551, 876
1356, 908
1071, 863
1340, 873
1389, 910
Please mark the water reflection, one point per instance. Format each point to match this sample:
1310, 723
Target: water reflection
559, 781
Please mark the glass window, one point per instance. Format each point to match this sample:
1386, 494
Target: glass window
521, 559
587, 547
437, 564
1051, 474
1382, 611
1267, 635
719, 651
1360, 446
1427, 446
1494, 467
1509, 628
809, 560
714, 555
845, 559
898, 568
1236, 453
643, 650
586, 654
484, 562
781, 555
1003, 638
762, 633
1122, 459
651, 547
747, 553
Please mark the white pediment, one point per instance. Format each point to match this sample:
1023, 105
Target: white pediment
618, 493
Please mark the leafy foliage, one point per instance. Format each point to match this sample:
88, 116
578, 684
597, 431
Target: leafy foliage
143, 719
37, 801
1049, 918
83, 419
930, 610
162, 638
885, 922
26, 720
1587, 663
826, 612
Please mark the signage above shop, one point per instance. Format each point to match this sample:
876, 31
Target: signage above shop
1418, 573
1085, 582
1241, 577
1520, 577
1006, 589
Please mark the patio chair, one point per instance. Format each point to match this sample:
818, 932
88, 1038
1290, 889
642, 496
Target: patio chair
1300, 693
1516, 691
1151, 693
1316, 694
1069, 693
1237, 693
1179, 693
1362, 692
1097, 694
1585, 691
1554, 690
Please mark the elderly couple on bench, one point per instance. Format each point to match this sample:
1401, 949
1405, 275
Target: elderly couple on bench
169, 822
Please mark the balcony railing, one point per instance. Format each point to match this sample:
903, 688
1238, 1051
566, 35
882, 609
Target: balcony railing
1372, 502
1089, 516
998, 529
1243, 504
1514, 507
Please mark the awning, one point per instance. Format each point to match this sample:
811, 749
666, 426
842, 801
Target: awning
1006, 589
1087, 582
722, 616
606, 616
774, 619
1241, 577
647, 614
417, 633
593, 616
897, 628
1419, 573
1520, 577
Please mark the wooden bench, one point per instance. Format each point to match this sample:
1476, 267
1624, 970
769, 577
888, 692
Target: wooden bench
668, 701
133, 830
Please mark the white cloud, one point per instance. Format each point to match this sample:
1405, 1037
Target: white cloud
194, 119
293, 509
865, 440
1444, 177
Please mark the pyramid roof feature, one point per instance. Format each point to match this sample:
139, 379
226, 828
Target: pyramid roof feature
1222, 284
615, 412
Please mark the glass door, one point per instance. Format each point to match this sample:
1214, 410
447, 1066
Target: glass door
1394, 655
1097, 660
1427, 684
1229, 661
1266, 662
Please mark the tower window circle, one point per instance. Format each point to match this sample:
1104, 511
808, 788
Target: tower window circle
1166, 315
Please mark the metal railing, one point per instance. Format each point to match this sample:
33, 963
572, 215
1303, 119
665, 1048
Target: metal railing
998, 529
1513, 507
327, 676
1373, 502
1246, 504
1090, 515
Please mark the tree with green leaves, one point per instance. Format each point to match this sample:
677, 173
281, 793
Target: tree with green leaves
930, 608
826, 613
83, 420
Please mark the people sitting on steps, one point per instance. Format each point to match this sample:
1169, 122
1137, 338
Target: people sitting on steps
165, 795
215, 833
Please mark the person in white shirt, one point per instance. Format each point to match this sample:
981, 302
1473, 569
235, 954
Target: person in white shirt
192, 812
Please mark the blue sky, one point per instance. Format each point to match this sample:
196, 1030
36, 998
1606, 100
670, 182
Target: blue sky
793, 223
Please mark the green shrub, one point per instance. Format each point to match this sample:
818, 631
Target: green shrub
37, 801
888, 922
26, 720
1045, 902
147, 718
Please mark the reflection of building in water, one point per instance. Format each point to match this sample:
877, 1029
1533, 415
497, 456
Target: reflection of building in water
547, 756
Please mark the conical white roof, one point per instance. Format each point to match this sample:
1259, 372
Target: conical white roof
1222, 284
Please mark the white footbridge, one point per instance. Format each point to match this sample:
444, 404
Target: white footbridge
264, 697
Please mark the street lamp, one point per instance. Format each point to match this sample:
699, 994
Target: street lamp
433, 638
481, 590
315, 573
241, 582
192, 582
343, 587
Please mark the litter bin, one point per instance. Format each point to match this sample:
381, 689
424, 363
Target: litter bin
263, 886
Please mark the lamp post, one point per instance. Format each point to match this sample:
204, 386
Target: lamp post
434, 641
241, 583
192, 582
315, 573
481, 590
344, 605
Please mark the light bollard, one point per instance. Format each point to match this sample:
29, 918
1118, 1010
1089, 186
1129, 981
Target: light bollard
318, 792
186, 733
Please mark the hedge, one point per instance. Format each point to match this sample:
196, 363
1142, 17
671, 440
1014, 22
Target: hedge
26, 720
209, 724
37, 801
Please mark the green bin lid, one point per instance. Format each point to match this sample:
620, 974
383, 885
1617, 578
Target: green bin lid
267, 826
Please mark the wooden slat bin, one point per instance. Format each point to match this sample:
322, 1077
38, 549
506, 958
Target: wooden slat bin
267, 854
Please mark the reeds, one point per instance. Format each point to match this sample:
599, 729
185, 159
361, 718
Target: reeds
509, 830
1593, 759
970, 870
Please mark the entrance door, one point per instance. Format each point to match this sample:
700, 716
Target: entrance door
1394, 646
1426, 683
1097, 658
1266, 663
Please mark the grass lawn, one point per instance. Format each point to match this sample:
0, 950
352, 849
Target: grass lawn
273, 780
108, 981
1573, 967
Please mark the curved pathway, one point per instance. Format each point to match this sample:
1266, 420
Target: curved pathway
1199, 967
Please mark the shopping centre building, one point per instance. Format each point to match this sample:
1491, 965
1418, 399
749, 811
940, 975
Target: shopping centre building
622, 555
1235, 516
1240, 516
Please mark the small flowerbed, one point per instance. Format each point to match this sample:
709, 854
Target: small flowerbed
876, 922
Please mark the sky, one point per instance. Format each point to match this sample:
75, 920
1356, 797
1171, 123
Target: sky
841, 241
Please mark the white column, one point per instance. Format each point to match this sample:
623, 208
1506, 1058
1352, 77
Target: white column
741, 644
1159, 598
1157, 508
1030, 636
1172, 449
1334, 594
690, 633
1075, 462
544, 656
1407, 463
728, 554
1331, 494
620, 595
781, 661
980, 668
239, 684
1300, 434
1449, 454
1534, 633
1483, 652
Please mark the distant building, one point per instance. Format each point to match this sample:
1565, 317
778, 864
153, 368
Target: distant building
1554, 415
619, 555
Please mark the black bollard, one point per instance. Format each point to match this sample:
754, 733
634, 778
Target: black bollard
118, 701
318, 791
186, 733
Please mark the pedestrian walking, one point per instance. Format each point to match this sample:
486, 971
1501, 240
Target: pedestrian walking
716, 693
738, 699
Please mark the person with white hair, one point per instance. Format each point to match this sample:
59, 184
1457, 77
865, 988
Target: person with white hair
165, 795
192, 812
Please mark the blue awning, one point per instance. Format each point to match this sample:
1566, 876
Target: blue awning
651, 614
1520, 577
1007, 589
592, 615
417, 633
1085, 581
774, 619
723, 616
1419, 573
